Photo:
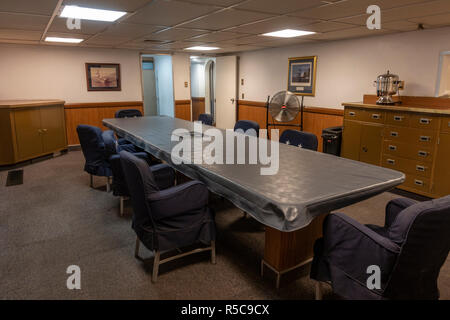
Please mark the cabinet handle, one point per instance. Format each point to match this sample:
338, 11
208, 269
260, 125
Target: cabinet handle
418, 182
424, 121
390, 161
448, 124
425, 138
351, 113
394, 134
39, 131
423, 153
376, 116
398, 118
44, 130
393, 148
420, 168
365, 149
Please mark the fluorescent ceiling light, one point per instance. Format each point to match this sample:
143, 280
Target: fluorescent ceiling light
59, 39
91, 14
288, 33
201, 48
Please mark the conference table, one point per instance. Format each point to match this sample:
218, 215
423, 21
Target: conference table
292, 203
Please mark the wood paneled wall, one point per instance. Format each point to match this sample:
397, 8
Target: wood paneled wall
315, 119
183, 109
93, 114
198, 107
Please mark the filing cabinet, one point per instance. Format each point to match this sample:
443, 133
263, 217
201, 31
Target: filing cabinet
410, 140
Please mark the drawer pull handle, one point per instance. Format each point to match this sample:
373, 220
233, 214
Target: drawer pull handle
394, 134
425, 138
425, 121
420, 168
398, 118
423, 153
351, 113
418, 182
391, 147
376, 116
390, 161
448, 124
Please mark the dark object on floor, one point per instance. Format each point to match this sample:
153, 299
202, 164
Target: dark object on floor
206, 119
127, 113
15, 177
167, 219
245, 125
300, 139
408, 252
332, 138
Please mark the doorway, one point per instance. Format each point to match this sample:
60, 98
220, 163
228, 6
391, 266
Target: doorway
157, 85
203, 84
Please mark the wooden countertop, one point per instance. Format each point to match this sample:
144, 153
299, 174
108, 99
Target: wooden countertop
423, 109
11, 104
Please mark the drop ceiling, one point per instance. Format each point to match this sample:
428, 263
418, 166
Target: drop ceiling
231, 25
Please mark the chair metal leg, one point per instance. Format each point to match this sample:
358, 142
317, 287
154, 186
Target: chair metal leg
155, 266
121, 200
213, 252
318, 290
136, 249
91, 178
108, 185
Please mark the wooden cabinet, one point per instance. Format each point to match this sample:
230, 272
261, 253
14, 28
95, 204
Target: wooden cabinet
415, 141
31, 129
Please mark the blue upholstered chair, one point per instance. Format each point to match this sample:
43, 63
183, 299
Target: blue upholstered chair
409, 250
248, 127
167, 219
300, 139
95, 153
127, 113
206, 119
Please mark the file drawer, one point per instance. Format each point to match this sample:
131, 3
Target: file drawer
445, 125
417, 183
407, 150
424, 121
410, 135
354, 114
376, 116
397, 119
417, 168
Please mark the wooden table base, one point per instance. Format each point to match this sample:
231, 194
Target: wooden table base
286, 251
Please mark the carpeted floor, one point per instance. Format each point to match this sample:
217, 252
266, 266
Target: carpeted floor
55, 220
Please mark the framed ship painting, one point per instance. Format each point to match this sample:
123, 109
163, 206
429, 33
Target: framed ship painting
103, 76
302, 75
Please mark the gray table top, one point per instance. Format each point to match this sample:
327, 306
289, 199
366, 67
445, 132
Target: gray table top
307, 184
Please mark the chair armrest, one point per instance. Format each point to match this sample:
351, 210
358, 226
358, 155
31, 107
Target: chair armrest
127, 147
177, 200
352, 247
121, 141
164, 175
394, 207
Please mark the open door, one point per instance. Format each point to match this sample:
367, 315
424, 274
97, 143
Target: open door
226, 92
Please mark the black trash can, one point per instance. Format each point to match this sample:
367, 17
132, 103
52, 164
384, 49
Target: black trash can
332, 138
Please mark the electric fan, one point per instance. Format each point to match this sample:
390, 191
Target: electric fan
284, 106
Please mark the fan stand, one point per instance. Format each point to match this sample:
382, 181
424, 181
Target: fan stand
284, 124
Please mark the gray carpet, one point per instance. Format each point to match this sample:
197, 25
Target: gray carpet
55, 220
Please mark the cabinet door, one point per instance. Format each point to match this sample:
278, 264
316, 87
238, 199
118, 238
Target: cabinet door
441, 169
371, 142
351, 140
28, 133
52, 123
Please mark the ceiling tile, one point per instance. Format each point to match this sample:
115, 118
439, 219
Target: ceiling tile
282, 42
23, 21
217, 36
347, 34
239, 49
169, 13
400, 25
327, 26
130, 30
20, 34
226, 19
107, 40
274, 24
435, 20
179, 45
119, 5
44, 7
220, 3
279, 6
175, 34
87, 27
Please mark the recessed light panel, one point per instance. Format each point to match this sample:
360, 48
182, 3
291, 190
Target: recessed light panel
288, 33
202, 48
66, 40
91, 14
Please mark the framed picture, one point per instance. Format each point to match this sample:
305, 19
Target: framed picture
103, 76
302, 75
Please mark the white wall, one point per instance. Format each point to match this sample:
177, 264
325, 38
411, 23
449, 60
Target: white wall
181, 65
346, 69
52, 72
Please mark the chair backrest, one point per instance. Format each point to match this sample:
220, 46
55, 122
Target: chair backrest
141, 184
245, 125
110, 142
298, 138
128, 113
423, 231
206, 119
93, 148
